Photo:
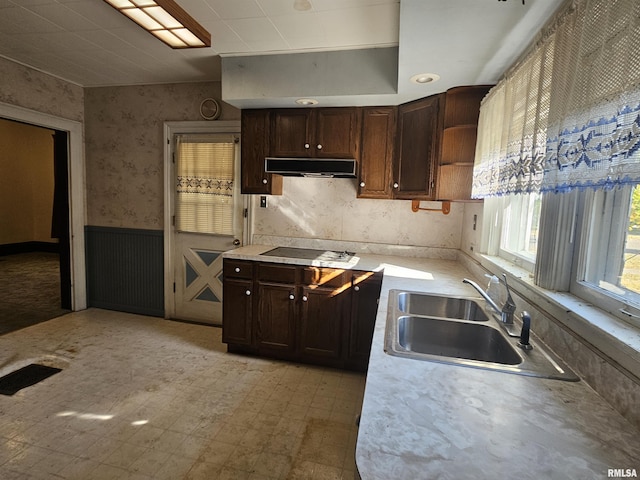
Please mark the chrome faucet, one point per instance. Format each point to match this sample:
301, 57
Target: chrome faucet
507, 310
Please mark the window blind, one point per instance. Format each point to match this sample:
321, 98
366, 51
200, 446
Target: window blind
204, 183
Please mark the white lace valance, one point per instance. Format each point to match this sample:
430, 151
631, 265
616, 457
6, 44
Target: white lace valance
567, 116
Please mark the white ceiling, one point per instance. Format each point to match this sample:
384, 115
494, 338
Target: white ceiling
88, 43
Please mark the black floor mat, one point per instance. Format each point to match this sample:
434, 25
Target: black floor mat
25, 377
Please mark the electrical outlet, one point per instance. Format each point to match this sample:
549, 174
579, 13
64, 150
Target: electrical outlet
263, 201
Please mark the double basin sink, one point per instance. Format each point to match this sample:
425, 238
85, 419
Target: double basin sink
462, 331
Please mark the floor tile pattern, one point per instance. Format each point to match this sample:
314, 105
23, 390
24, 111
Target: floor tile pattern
144, 398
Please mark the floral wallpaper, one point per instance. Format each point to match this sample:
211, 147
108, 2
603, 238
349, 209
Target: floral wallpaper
25, 87
124, 148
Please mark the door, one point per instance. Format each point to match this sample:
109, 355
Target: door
418, 127
275, 325
207, 220
290, 135
323, 313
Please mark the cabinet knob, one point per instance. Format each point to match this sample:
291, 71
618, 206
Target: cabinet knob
361, 184
319, 147
292, 297
264, 180
356, 288
304, 298
395, 185
306, 145
237, 269
247, 293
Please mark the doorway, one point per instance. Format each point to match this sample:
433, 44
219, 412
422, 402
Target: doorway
204, 215
71, 135
35, 274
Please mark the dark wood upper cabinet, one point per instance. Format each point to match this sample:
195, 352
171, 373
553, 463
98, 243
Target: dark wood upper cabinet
291, 133
337, 132
254, 147
419, 125
322, 132
376, 152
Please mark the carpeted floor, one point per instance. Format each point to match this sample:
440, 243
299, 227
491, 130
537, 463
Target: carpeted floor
29, 290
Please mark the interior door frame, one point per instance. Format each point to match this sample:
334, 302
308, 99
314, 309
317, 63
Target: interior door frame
171, 129
76, 176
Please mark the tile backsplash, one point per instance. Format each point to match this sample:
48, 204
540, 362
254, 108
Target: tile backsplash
327, 209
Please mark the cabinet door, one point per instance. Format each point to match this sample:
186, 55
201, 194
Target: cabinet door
255, 128
237, 311
323, 313
364, 308
337, 133
290, 135
376, 152
419, 124
275, 319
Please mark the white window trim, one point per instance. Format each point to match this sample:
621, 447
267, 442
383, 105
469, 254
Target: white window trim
615, 338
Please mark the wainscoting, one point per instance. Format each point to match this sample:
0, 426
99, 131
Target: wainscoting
125, 269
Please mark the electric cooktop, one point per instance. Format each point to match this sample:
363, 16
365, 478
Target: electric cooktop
310, 254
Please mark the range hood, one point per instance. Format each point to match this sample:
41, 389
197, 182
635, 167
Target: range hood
311, 167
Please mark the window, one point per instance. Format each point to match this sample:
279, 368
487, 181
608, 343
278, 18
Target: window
204, 183
608, 258
511, 228
519, 238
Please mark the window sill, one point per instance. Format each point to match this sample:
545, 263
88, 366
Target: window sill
608, 335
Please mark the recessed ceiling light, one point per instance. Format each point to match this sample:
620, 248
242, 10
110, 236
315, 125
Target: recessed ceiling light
423, 78
307, 101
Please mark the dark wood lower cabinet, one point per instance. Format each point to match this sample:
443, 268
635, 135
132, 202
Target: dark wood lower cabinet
319, 316
322, 317
275, 319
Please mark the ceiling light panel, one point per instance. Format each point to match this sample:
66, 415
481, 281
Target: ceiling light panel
166, 20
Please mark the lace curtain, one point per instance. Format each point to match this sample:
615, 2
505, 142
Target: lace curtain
512, 128
567, 116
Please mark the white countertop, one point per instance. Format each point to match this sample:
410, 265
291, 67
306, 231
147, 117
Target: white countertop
426, 420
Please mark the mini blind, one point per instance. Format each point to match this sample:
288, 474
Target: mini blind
204, 183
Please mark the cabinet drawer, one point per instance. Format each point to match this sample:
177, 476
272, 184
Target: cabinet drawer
271, 272
237, 269
326, 277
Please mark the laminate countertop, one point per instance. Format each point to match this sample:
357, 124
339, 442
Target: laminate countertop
427, 420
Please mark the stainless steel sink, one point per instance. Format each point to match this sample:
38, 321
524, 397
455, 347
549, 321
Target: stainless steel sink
441, 306
471, 341
463, 341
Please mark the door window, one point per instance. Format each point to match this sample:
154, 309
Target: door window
205, 183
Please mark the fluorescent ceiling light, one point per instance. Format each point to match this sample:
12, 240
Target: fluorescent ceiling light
166, 20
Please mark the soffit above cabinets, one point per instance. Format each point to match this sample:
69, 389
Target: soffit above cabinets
464, 41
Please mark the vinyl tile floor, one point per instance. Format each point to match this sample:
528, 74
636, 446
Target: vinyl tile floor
145, 398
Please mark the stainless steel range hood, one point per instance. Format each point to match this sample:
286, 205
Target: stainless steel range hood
311, 167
